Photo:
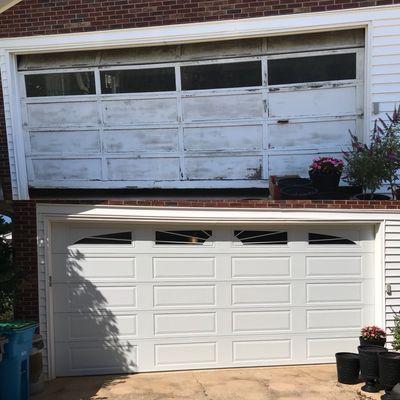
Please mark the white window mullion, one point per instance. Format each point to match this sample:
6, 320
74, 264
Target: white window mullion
265, 137
182, 170
104, 168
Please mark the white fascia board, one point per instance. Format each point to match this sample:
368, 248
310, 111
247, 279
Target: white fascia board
203, 31
74, 212
6, 4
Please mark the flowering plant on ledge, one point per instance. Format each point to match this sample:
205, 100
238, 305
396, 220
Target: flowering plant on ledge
372, 335
372, 332
325, 173
326, 165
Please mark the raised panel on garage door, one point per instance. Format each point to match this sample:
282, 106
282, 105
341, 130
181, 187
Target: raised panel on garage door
313, 102
154, 298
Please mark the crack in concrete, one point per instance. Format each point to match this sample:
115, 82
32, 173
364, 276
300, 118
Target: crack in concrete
266, 385
202, 387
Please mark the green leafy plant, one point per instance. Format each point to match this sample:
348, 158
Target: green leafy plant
387, 134
364, 165
8, 272
371, 165
396, 333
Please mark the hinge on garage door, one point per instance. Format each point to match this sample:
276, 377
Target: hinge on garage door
50, 281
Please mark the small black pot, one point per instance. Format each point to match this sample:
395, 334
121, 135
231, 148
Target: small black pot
298, 192
394, 393
389, 371
369, 366
373, 342
348, 367
325, 182
368, 196
283, 182
331, 196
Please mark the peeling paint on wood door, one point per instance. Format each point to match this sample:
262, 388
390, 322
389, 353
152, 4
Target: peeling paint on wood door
211, 138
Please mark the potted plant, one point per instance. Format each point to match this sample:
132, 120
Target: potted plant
369, 366
372, 336
389, 371
389, 364
325, 173
365, 167
387, 133
348, 367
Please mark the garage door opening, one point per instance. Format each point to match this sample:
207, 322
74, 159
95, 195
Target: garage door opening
211, 115
153, 298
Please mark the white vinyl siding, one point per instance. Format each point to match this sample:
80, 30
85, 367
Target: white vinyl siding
392, 274
385, 65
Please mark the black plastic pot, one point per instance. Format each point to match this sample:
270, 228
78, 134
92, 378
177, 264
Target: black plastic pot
374, 342
367, 196
331, 196
284, 182
369, 366
298, 192
395, 392
348, 367
325, 182
389, 371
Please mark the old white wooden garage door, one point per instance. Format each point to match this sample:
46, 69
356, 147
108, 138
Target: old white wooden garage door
143, 298
225, 114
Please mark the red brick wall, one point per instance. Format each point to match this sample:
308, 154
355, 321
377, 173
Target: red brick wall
5, 179
24, 244
43, 17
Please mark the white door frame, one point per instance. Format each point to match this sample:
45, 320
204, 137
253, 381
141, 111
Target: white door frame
48, 214
171, 34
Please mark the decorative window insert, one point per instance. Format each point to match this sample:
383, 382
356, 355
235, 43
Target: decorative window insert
138, 80
312, 69
60, 84
261, 237
108, 239
189, 237
317, 238
219, 76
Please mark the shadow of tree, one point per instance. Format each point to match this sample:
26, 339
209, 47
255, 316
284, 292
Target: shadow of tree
96, 342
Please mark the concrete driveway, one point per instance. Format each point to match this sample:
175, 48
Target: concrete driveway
317, 382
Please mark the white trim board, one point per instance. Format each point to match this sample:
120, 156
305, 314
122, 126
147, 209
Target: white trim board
48, 213
380, 19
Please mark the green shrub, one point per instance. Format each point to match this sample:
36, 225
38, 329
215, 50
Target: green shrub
396, 333
371, 165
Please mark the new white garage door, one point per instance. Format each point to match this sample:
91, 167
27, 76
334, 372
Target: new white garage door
143, 298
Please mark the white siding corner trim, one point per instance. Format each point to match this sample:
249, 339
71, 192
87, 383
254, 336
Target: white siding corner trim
385, 244
382, 62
